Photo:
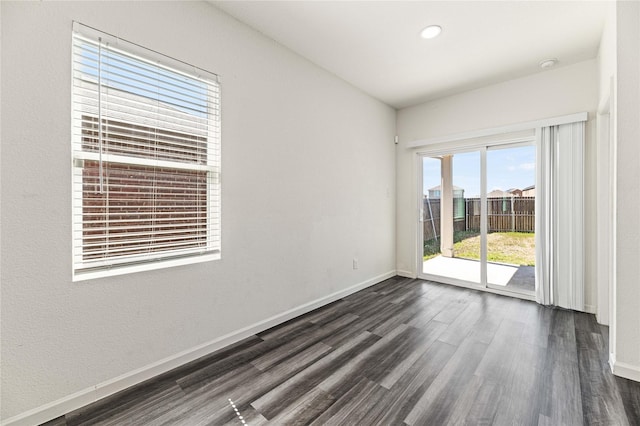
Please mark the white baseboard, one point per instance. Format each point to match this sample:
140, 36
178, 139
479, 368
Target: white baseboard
406, 274
622, 369
92, 394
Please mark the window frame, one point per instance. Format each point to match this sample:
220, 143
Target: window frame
84, 269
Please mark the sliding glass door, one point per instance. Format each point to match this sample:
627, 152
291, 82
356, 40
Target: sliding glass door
478, 216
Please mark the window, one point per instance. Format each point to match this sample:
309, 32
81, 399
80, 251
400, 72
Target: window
146, 158
458, 207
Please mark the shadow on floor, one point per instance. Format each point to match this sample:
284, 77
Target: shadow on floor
523, 279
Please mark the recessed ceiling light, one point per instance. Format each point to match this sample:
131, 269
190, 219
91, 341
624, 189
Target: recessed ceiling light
431, 31
548, 63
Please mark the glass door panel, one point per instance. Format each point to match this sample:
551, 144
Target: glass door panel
511, 175
451, 217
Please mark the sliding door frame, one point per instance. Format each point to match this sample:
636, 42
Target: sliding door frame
480, 145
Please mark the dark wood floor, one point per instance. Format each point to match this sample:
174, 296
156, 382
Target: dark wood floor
401, 352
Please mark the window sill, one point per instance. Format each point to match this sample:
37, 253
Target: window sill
130, 269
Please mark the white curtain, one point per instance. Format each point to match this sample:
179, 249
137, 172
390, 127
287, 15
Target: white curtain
560, 216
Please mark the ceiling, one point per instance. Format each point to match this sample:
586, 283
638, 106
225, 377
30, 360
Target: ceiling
376, 45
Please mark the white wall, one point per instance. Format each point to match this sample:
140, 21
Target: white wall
607, 54
557, 92
308, 184
626, 349
604, 165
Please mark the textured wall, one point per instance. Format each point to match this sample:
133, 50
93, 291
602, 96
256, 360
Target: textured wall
308, 180
627, 341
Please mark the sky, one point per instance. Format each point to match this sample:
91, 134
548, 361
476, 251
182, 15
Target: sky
506, 168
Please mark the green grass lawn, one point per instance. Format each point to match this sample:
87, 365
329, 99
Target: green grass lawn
517, 248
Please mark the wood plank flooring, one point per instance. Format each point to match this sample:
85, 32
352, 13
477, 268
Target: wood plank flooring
403, 352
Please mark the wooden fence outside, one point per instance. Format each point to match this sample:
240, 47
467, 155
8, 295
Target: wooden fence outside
509, 214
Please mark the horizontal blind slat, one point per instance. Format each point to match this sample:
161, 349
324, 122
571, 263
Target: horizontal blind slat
142, 248
133, 234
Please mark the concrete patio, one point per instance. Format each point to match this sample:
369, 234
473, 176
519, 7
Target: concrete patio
515, 277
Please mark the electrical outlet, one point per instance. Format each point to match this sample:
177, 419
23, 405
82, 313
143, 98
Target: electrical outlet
355, 263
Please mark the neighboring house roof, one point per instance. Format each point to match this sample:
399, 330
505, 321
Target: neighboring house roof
498, 193
528, 188
438, 188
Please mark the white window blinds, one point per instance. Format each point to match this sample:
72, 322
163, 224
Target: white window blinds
146, 151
